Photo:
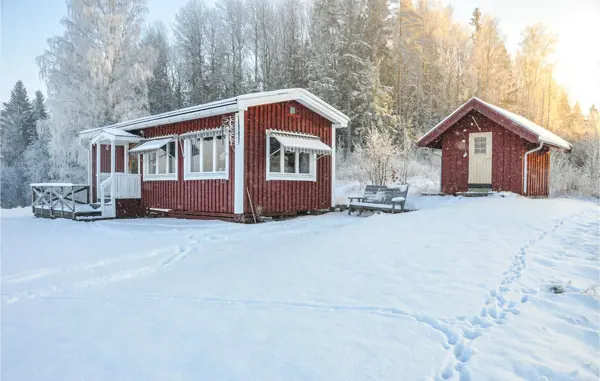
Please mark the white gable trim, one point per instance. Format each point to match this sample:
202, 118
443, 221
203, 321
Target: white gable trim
231, 105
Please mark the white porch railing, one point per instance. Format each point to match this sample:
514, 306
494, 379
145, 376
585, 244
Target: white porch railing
128, 185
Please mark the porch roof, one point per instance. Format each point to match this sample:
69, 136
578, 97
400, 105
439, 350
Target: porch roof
116, 134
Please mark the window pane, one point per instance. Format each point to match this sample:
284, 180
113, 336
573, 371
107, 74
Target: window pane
195, 156
133, 164
207, 154
172, 146
151, 164
304, 162
162, 160
480, 145
289, 162
274, 155
221, 153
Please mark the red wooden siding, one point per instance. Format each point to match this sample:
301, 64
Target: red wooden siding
129, 208
538, 172
206, 197
105, 159
507, 155
280, 196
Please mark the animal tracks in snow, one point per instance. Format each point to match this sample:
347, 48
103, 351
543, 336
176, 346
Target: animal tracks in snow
496, 311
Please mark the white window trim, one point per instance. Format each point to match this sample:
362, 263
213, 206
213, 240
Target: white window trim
187, 157
311, 176
161, 176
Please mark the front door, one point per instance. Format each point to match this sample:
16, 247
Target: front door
480, 160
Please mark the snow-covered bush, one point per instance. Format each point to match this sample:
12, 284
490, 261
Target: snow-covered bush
578, 172
375, 164
380, 161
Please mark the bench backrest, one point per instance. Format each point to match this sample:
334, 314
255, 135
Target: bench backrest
383, 194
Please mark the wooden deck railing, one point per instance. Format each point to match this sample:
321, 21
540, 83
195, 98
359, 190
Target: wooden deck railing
60, 199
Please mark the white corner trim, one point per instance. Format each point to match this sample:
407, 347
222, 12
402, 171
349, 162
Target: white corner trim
333, 152
238, 173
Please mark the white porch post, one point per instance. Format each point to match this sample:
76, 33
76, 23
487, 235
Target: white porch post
113, 166
89, 178
126, 158
97, 179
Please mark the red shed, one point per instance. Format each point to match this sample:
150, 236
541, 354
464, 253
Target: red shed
487, 148
270, 153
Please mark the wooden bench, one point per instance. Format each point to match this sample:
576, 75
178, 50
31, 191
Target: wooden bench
380, 198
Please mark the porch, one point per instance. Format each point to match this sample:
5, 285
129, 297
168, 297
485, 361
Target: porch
113, 176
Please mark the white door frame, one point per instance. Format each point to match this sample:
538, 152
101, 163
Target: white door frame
480, 161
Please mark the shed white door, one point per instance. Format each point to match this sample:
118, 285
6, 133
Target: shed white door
480, 158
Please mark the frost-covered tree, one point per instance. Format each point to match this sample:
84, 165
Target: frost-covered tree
160, 90
191, 46
233, 14
17, 131
96, 75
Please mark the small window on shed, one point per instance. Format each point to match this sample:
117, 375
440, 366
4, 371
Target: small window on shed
480, 145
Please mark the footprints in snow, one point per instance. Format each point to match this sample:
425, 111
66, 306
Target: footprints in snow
496, 310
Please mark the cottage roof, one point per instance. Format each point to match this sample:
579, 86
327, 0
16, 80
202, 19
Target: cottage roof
231, 105
517, 124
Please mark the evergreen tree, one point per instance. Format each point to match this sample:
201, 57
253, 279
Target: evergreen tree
17, 128
39, 106
36, 157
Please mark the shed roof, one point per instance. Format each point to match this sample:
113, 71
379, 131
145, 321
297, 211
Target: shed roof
517, 124
230, 105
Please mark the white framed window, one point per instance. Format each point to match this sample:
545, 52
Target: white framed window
162, 163
480, 145
291, 165
206, 157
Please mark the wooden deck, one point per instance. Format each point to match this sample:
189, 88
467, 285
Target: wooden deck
63, 200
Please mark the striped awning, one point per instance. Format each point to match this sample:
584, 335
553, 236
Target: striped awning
295, 142
205, 133
151, 145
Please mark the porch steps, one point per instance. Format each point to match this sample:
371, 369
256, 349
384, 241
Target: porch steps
477, 193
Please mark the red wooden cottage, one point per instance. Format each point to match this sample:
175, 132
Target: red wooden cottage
485, 147
270, 153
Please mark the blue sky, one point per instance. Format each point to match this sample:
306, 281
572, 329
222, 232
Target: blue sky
27, 24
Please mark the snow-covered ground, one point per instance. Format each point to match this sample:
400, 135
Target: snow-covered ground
457, 290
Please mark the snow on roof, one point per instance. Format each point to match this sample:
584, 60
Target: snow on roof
543, 134
231, 105
118, 132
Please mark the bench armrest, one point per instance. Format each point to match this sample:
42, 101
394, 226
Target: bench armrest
355, 198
